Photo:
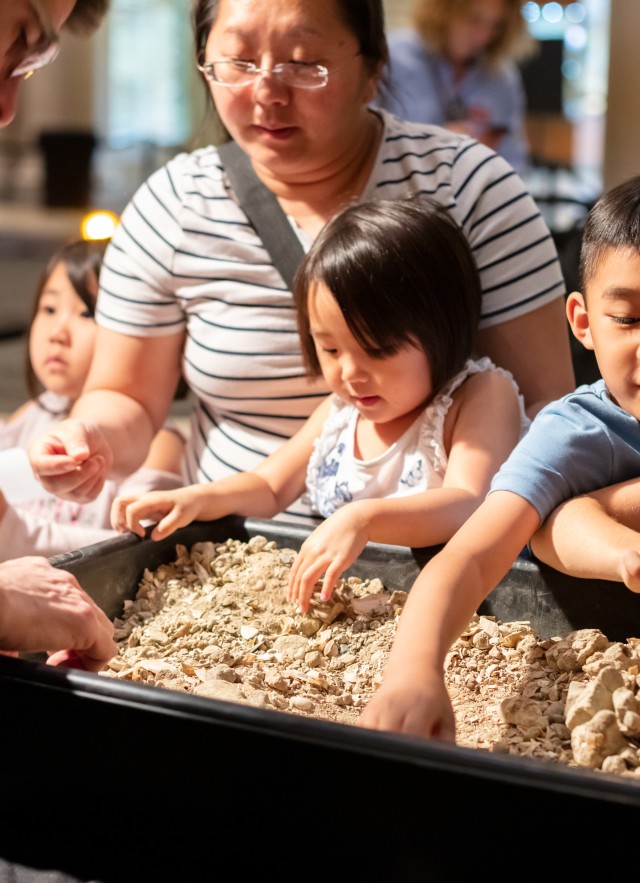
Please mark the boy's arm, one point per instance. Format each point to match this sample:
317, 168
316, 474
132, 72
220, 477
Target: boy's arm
595, 536
412, 698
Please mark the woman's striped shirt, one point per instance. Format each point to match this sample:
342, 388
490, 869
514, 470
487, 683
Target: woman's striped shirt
185, 257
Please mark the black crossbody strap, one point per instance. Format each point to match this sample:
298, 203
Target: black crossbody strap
264, 211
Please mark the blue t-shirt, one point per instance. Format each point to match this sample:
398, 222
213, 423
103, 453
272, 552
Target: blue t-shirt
580, 443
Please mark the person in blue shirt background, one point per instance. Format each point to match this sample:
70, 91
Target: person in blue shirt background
457, 67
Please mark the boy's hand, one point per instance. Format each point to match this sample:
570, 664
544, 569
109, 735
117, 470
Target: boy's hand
416, 707
330, 550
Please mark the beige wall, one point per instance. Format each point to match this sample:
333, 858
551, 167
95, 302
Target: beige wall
61, 96
396, 13
622, 127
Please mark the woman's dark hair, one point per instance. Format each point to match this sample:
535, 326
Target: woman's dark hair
82, 260
402, 272
365, 18
613, 222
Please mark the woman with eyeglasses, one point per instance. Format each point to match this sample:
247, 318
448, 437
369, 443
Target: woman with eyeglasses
457, 67
188, 285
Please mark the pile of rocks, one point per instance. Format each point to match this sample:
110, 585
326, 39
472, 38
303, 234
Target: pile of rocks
215, 622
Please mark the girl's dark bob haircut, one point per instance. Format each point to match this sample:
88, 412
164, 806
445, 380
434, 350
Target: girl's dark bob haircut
402, 272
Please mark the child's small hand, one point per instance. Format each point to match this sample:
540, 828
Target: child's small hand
171, 509
332, 548
416, 707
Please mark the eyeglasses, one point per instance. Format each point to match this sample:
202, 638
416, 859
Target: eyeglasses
297, 74
44, 51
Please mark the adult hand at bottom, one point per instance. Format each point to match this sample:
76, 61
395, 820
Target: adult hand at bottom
43, 608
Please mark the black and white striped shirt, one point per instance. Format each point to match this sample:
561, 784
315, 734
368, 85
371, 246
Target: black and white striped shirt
186, 257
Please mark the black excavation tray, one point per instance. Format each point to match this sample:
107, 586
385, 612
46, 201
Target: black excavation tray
113, 781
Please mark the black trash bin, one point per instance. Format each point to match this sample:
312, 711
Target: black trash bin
67, 164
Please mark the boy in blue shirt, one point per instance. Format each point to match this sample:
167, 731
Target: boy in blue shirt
586, 441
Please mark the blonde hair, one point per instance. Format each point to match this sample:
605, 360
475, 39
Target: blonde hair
432, 19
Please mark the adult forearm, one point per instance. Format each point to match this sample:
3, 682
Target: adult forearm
535, 349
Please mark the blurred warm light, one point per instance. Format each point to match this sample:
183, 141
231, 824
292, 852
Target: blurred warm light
99, 225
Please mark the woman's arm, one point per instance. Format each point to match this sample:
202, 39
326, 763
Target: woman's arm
166, 453
595, 536
535, 349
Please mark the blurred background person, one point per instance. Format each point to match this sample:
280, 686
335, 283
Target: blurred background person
457, 67
61, 338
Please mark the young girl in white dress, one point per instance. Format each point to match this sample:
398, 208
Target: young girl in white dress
61, 336
404, 449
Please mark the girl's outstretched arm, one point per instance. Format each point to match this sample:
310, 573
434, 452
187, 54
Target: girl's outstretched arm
274, 485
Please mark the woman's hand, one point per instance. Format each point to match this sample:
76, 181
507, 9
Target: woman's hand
72, 461
330, 550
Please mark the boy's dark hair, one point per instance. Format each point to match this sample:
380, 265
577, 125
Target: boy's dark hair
82, 260
86, 16
613, 222
401, 272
